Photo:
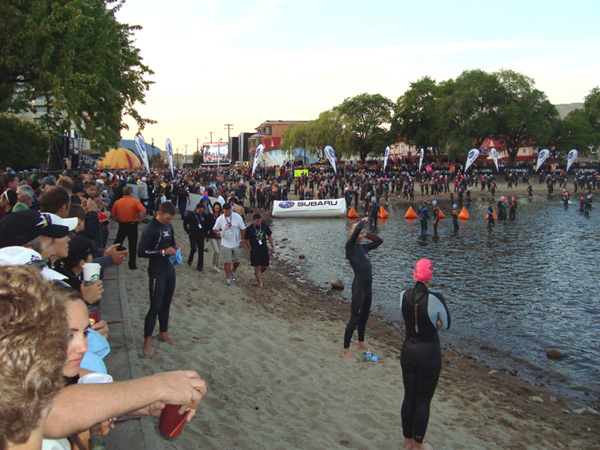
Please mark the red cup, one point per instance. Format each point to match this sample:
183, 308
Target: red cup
94, 317
171, 422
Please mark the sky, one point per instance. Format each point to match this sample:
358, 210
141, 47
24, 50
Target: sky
237, 62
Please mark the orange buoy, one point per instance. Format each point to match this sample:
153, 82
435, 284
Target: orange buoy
441, 215
463, 214
352, 214
495, 216
383, 213
411, 214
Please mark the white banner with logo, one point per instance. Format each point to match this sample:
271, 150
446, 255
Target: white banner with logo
495, 158
385, 158
542, 156
421, 158
257, 154
310, 208
169, 147
573, 154
140, 146
471, 157
331, 157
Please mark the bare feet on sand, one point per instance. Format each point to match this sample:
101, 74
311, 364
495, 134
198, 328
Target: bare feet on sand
362, 345
346, 354
147, 348
411, 444
164, 337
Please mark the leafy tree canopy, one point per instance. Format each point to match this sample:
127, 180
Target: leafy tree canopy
77, 58
417, 117
592, 108
524, 114
22, 144
468, 108
575, 131
315, 135
366, 121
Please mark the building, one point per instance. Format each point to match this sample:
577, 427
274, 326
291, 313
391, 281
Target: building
402, 150
526, 152
270, 133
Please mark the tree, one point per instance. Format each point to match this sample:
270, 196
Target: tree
77, 58
468, 106
417, 118
299, 136
524, 113
592, 108
196, 159
315, 135
365, 119
575, 131
23, 145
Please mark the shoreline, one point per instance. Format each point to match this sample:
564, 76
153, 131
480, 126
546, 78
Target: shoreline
494, 357
271, 360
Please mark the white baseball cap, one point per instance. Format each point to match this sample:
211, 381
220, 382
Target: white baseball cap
70, 222
24, 256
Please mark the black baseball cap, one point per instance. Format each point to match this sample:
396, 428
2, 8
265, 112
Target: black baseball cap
24, 226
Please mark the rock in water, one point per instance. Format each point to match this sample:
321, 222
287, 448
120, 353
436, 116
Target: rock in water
554, 354
301, 257
337, 284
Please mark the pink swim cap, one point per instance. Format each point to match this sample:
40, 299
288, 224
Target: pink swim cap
423, 270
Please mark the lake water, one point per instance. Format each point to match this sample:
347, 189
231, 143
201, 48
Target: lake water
513, 291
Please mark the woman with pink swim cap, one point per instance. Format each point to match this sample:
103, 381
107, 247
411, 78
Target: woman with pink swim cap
424, 313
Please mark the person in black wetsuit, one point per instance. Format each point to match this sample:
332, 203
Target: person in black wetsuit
436, 217
157, 244
455, 217
358, 256
423, 217
490, 215
424, 313
512, 208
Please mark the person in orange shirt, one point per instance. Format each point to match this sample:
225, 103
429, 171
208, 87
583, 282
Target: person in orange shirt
129, 212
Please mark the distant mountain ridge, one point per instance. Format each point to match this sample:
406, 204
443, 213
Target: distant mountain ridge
566, 108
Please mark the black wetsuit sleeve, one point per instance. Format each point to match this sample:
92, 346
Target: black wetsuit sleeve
376, 241
173, 242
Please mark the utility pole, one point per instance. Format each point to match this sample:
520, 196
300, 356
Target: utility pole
185, 160
219, 158
152, 156
229, 127
211, 133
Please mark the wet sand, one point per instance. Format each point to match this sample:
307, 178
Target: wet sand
271, 359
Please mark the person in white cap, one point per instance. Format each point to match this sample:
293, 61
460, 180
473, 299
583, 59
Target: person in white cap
143, 192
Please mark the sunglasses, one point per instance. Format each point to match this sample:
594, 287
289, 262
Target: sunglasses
38, 263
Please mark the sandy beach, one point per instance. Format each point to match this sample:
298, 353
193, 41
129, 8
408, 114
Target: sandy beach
271, 359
